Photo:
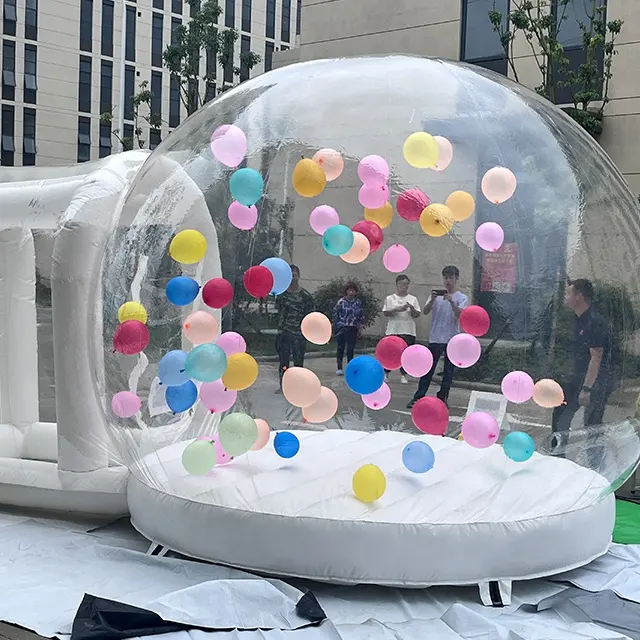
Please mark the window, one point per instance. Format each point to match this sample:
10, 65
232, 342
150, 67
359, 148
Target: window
154, 138
31, 20
285, 25
29, 137
176, 23
129, 90
9, 18
30, 73
268, 56
210, 91
270, 29
176, 6
105, 140
127, 134
130, 42
245, 47
228, 73
86, 25
174, 102
84, 85
212, 64
194, 7
8, 132
480, 43
8, 70
107, 27
84, 139
298, 17
246, 15
156, 40
158, 4
230, 13
156, 93
106, 86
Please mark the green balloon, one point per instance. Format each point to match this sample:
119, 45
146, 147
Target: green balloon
199, 457
238, 432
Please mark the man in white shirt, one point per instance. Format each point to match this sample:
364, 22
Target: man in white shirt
447, 305
402, 309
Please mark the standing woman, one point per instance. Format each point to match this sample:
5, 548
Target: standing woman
348, 320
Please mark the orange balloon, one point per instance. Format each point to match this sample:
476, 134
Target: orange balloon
436, 220
323, 409
300, 386
200, 327
360, 249
316, 328
461, 204
382, 216
548, 394
308, 178
331, 162
498, 184
264, 432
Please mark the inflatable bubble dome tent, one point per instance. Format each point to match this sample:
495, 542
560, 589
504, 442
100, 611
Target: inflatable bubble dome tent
438, 164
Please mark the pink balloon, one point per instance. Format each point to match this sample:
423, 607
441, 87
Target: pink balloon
417, 360
125, 404
464, 350
373, 170
264, 433
446, 153
216, 397
373, 196
389, 352
396, 258
411, 203
200, 327
242, 217
229, 145
378, 399
231, 342
480, 430
323, 217
222, 457
517, 387
498, 184
490, 236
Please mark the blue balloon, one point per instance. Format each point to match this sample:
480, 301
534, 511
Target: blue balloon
337, 240
171, 369
286, 444
281, 271
182, 291
518, 446
246, 186
363, 375
418, 457
181, 398
206, 363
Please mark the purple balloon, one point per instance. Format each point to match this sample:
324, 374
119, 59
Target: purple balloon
373, 196
378, 399
464, 350
489, 236
373, 170
216, 397
229, 145
323, 217
242, 217
517, 387
125, 404
396, 258
231, 342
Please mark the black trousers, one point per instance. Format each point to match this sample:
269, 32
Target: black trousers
437, 351
410, 340
346, 339
290, 346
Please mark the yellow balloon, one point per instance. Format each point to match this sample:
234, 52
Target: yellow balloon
188, 247
436, 220
369, 483
309, 178
241, 373
462, 205
382, 216
421, 150
461, 438
132, 311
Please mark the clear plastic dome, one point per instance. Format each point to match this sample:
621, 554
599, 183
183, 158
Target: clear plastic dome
571, 216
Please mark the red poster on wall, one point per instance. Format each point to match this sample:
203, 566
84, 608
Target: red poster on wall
500, 269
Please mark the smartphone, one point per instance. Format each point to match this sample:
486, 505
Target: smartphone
439, 292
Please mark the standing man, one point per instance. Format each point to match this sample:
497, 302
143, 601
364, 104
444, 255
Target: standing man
292, 306
447, 305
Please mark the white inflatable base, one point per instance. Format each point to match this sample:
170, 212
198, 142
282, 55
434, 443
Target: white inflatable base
475, 517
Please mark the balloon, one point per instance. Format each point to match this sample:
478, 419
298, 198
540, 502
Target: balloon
300, 386
489, 236
436, 220
417, 360
389, 352
323, 409
222, 457
518, 446
258, 281
396, 258
229, 145
286, 444
337, 240
281, 272
373, 196
188, 247
241, 373
411, 203
182, 291
359, 251
309, 178
517, 387
421, 150
246, 186
237, 433
216, 397
371, 231
241, 216
132, 311
418, 457
231, 342
181, 398
461, 204
200, 327
378, 399
548, 394
480, 430
364, 375
316, 328
369, 483
125, 404
264, 433
130, 337
446, 153
171, 368
323, 217
331, 162
206, 363
430, 415
381, 216
498, 185
475, 320
199, 457
373, 170
217, 293
464, 350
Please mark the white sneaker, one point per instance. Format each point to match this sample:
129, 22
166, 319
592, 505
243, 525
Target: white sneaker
339, 372
403, 380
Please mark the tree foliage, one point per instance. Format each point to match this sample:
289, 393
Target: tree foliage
328, 294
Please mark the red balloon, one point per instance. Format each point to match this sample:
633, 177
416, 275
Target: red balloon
389, 352
258, 281
475, 321
411, 204
131, 337
430, 415
217, 293
371, 231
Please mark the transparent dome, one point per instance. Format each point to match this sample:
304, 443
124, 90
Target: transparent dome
571, 217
